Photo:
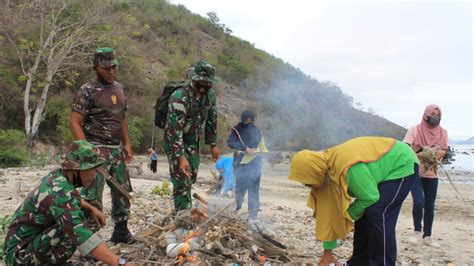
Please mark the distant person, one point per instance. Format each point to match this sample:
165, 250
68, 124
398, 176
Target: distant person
364, 180
153, 159
247, 141
225, 167
54, 220
190, 106
430, 143
98, 116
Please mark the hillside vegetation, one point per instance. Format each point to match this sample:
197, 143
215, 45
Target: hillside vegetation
156, 42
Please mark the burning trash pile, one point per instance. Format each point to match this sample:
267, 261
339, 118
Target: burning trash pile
211, 233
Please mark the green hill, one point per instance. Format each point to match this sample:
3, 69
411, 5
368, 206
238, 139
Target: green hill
156, 42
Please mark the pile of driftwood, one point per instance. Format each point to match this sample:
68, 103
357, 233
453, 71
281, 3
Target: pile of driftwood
212, 235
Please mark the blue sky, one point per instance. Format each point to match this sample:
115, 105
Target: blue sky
392, 57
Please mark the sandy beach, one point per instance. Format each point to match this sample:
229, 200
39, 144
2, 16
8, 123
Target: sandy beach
283, 211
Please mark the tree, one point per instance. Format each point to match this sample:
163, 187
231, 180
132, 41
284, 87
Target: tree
48, 37
214, 19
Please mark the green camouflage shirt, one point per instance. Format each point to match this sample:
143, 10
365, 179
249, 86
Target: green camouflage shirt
53, 201
186, 116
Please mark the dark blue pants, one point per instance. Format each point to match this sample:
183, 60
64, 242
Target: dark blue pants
374, 234
424, 195
153, 165
248, 179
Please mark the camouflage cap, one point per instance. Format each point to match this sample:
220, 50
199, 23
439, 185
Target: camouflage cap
105, 57
81, 155
204, 71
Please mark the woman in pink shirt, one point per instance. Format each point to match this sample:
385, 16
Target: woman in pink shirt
430, 142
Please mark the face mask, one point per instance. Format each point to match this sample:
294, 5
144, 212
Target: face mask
433, 121
205, 86
76, 179
246, 124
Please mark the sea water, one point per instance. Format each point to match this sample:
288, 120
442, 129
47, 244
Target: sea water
461, 169
464, 158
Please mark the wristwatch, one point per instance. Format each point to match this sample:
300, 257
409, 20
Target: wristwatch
122, 261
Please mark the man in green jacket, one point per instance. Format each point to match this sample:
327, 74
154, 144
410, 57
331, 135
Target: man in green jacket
190, 106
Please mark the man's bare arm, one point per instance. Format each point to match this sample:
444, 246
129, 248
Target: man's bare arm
75, 123
127, 146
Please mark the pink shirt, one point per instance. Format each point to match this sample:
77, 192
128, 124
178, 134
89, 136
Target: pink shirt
410, 137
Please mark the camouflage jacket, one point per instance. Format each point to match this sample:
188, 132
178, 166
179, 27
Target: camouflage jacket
53, 201
103, 107
186, 116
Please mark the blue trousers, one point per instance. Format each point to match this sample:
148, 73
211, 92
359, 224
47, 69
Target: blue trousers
248, 179
424, 195
374, 234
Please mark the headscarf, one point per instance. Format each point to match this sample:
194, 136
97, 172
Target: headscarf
247, 114
428, 136
327, 172
325, 198
309, 167
249, 134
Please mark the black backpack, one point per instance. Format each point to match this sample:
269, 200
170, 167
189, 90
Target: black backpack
161, 106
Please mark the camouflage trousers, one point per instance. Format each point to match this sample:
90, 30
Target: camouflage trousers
115, 164
51, 246
181, 184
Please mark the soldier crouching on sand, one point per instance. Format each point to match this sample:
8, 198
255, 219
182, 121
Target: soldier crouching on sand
54, 221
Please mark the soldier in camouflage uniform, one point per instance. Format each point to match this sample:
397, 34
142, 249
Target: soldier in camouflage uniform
54, 221
190, 106
98, 116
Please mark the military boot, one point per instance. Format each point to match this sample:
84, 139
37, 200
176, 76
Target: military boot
121, 234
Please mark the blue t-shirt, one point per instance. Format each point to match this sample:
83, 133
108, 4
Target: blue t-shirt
154, 157
224, 165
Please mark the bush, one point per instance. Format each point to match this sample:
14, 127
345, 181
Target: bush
12, 148
56, 116
234, 69
136, 126
164, 190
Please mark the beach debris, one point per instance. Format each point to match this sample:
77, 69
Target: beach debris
218, 181
214, 234
278, 157
430, 160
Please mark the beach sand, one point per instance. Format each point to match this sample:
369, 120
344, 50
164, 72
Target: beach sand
283, 211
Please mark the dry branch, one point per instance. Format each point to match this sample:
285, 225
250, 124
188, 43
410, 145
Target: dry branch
225, 237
